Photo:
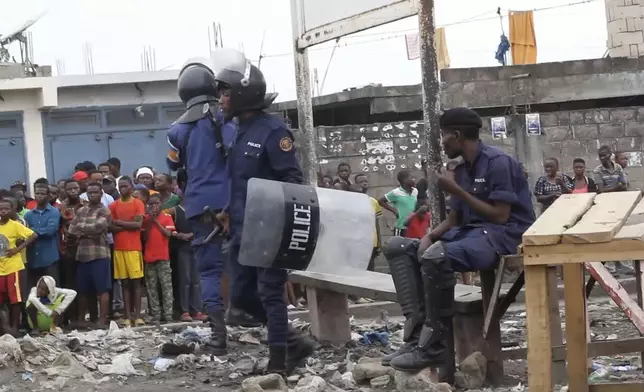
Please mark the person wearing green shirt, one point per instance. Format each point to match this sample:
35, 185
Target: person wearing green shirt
401, 201
163, 185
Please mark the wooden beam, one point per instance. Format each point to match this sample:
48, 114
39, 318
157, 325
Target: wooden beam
538, 326
616, 250
604, 348
618, 294
617, 387
561, 215
577, 352
604, 219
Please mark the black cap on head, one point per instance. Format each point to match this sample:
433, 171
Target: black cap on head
460, 118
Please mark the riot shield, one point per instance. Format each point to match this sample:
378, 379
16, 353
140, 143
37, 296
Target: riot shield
303, 227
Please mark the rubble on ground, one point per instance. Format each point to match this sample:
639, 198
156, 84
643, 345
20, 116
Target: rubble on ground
142, 358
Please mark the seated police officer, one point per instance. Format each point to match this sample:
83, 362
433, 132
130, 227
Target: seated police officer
491, 208
263, 149
198, 143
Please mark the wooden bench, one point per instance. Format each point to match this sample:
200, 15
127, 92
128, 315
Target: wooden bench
329, 312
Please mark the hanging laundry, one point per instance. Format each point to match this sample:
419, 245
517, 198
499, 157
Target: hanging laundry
412, 42
502, 50
523, 40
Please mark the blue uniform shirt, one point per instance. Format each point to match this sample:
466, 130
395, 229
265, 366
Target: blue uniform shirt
263, 149
494, 176
207, 173
45, 223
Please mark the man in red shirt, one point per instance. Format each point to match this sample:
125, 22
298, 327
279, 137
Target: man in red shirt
418, 222
158, 229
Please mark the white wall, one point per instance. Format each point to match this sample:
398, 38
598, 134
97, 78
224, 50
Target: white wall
33, 96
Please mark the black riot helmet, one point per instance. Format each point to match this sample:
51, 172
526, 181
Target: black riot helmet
196, 83
245, 81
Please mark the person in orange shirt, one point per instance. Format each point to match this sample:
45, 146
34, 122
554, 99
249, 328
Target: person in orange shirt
158, 229
127, 213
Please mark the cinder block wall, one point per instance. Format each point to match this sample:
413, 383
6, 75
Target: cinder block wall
625, 27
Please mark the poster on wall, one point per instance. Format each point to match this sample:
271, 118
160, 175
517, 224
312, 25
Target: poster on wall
499, 128
533, 124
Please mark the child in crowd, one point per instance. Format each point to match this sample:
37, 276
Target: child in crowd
158, 229
418, 222
401, 201
189, 287
127, 214
11, 262
46, 304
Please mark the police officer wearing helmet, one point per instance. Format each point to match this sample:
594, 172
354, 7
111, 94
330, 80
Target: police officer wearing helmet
263, 149
198, 142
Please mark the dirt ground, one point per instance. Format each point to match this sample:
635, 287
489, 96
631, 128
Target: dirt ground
608, 323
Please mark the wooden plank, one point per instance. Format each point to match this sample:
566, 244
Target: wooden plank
538, 325
560, 216
490, 307
616, 250
604, 219
329, 315
617, 387
556, 334
618, 294
602, 348
493, 334
633, 228
577, 349
639, 274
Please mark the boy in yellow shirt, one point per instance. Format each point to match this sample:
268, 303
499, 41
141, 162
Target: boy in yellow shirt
11, 262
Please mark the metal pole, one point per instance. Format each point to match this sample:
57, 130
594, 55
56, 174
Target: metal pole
306, 134
431, 104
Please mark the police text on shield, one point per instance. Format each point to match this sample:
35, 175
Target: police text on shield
301, 227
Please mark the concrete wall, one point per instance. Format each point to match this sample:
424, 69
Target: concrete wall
35, 96
625, 27
582, 104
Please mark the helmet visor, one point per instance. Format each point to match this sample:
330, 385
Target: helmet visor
233, 61
198, 61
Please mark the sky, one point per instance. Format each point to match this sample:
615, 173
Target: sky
119, 30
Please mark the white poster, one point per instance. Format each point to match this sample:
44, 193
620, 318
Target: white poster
533, 124
499, 128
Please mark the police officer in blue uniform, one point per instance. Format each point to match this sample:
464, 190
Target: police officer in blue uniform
491, 208
198, 145
264, 149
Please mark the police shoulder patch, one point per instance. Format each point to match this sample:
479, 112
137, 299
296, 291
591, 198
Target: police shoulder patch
286, 144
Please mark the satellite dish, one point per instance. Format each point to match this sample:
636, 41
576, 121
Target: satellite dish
11, 35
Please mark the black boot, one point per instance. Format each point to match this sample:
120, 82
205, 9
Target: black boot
219, 333
405, 272
298, 348
434, 344
276, 360
239, 318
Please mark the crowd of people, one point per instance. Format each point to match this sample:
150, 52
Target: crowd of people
608, 176
101, 235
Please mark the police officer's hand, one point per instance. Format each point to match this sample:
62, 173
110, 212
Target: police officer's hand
445, 182
224, 219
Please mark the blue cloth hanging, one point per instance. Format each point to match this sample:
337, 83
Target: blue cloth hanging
503, 48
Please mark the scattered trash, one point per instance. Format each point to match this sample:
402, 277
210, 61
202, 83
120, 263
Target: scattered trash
121, 365
163, 364
26, 376
598, 375
74, 345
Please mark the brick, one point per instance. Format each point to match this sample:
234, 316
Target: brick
597, 116
611, 130
629, 144
563, 118
634, 128
586, 131
630, 24
622, 115
552, 150
557, 134
576, 117
571, 149
640, 114
548, 119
